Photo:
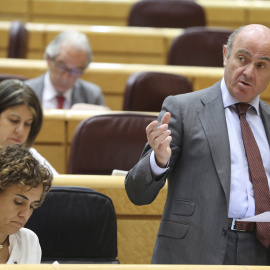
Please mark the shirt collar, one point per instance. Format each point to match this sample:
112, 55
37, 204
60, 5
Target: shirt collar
228, 100
50, 90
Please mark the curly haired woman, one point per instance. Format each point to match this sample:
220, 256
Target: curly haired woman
24, 182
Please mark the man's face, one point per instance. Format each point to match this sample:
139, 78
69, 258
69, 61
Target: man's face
66, 67
247, 70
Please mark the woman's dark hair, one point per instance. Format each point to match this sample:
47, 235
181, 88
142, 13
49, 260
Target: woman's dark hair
14, 92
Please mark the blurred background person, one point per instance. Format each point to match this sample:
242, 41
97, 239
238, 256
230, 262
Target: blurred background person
67, 55
24, 183
21, 116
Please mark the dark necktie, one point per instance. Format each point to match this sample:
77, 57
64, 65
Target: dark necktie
60, 101
257, 175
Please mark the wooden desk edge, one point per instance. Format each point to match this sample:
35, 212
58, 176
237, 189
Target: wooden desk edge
127, 267
91, 181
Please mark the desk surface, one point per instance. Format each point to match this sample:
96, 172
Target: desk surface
230, 13
128, 267
114, 44
90, 181
112, 77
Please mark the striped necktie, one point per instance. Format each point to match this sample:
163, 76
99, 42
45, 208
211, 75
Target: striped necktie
257, 174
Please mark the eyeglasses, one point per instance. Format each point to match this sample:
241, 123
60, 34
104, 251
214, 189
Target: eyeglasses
62, 68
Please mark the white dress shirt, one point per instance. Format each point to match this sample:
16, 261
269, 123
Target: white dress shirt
42, 160
241, 202
49, 100
24, 248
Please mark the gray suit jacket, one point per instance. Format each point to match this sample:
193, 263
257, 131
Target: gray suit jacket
194, 224
83, 91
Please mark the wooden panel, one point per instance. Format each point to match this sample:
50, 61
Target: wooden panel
14, 10
115, 102
25, 67
227, 13
4, 33
109, 43
81, 12
82, 8
18, 7
218, 13
158, 59
54, 127
51, 142
136, 239
224, 13
37, 35
55, 154
122, 44
259, 12
112, 77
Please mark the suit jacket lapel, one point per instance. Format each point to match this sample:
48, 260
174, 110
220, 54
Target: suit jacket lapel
77, 93
39, 87
265, 112
213, 120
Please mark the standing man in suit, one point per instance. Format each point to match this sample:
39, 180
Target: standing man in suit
67, 56
198, 148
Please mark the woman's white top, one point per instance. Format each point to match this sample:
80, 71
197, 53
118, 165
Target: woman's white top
42, 160
24, 248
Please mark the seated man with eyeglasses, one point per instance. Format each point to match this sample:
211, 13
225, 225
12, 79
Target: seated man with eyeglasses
67, 55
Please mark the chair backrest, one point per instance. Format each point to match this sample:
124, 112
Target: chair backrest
11, 76
106, 142
146, 90
166, 13
76, 225
199, 46
18, 40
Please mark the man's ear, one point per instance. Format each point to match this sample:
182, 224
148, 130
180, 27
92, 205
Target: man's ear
224, 55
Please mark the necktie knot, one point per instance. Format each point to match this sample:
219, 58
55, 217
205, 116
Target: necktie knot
242, 108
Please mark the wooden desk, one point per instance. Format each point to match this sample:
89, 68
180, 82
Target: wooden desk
14, 10
229, 13
112, 44
127, 267
137, 226
52, 139
234, 13
112, 77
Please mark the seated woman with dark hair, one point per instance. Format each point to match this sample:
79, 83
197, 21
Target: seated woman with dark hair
24, 183
21, 116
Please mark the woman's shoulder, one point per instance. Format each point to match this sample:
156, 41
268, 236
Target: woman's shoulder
24, 247
35, 153
25, 234
42, 160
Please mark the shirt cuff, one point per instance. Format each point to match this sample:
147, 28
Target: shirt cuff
156, 170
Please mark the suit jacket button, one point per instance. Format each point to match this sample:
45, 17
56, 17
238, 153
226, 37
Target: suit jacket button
224, 231
145, 182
